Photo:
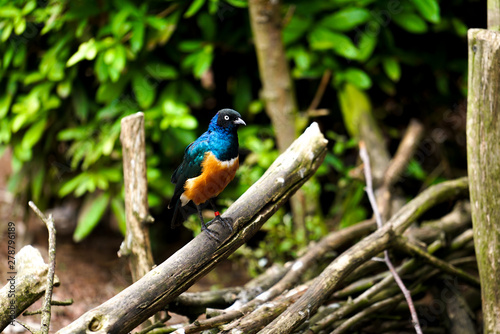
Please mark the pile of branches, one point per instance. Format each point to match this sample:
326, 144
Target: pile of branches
342, 283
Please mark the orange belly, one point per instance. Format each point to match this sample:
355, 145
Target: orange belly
215, 176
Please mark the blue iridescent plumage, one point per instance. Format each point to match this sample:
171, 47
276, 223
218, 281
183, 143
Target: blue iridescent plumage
218, 147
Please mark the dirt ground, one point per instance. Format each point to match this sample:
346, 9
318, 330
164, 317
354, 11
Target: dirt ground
90, 272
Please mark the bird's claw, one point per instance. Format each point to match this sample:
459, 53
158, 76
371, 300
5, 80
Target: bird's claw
227, 222
211, 234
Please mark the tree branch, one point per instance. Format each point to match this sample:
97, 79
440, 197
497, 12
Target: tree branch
49, 222
378, 217
324, 285
166, 281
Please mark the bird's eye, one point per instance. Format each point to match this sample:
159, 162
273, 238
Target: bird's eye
226, 118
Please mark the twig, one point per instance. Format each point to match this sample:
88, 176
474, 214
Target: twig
49, 222
27, 327
325, 79
367, 311
409, 248
159, 324
371, 196
53, 303
404, 153
265, 313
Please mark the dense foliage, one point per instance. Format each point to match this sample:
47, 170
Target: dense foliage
70, 70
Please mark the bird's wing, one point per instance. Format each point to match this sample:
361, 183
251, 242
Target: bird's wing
190, 166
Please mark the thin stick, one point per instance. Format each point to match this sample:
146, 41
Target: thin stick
49, 222
321, 90
373, 202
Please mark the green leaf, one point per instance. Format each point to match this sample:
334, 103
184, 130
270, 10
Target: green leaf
109, 91
162, 71
29, 7
19, 121
5, 101
238, 3
203, 61
92, 211
33, 135
194, 8
6, 31
143, 89
415, 170
392, 69
346, 19
411, 22
324, 39
71, 185
119, 212
190, 45
7, 57
80, 101
137, 39
64, 88
296, 28
358, 78
207, 26
429, 9
86, 50
354, 104
366, 45
459, 26
119, 24
9, 11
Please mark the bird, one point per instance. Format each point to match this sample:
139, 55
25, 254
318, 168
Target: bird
209, 164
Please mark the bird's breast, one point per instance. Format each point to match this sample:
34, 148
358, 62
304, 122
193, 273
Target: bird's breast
215, 176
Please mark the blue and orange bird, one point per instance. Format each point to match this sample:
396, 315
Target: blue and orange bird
209, 164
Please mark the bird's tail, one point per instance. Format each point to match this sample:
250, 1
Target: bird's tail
181, 213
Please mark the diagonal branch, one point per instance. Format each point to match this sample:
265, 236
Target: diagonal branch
161, 285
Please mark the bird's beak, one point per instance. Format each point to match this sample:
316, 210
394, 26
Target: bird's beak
239, 121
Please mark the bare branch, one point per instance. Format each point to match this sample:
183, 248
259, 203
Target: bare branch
46, 307
371, 196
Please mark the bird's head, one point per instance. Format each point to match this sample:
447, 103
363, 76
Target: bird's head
228, 119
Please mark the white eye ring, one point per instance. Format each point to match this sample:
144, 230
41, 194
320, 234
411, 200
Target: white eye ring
226, 118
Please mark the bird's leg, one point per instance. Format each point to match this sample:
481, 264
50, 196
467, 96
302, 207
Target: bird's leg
225, 221
211, 234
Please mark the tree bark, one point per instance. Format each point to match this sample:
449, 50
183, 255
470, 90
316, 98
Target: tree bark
483, 152
278, 91
161, 285
136, 244
494, 15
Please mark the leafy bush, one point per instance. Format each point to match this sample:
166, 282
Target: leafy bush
70, 70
